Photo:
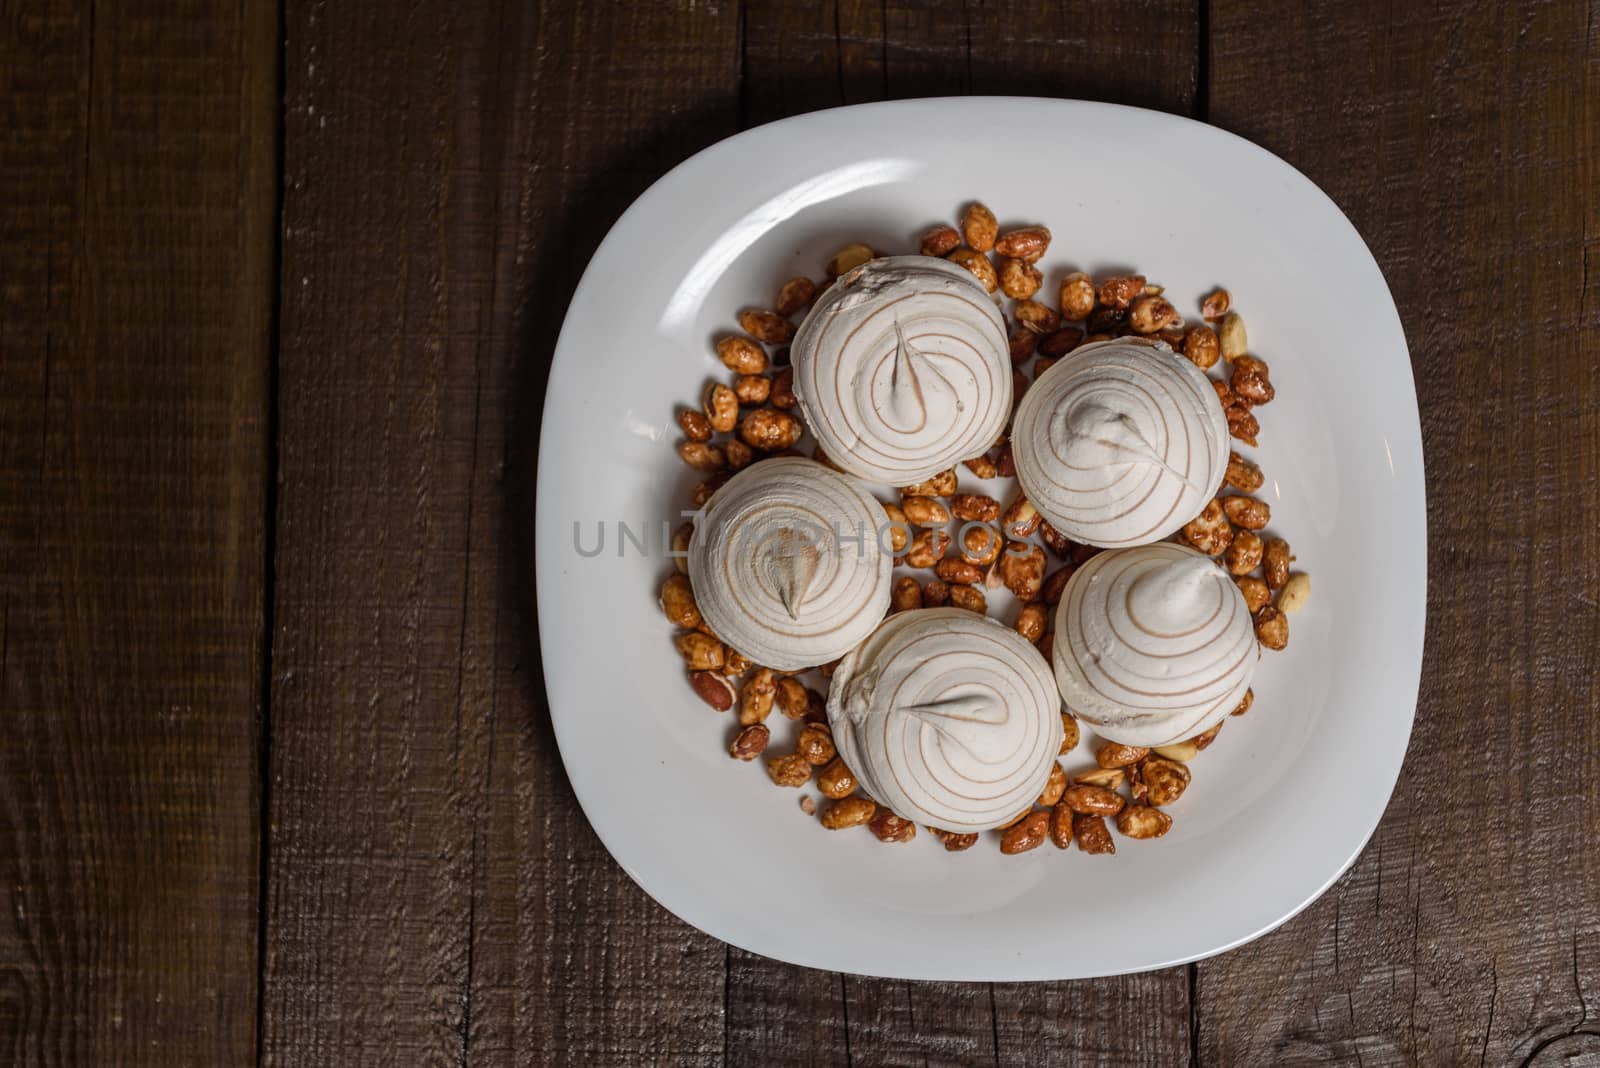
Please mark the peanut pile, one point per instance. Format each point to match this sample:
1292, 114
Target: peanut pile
753, 415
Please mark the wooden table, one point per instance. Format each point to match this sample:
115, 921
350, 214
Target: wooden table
278, 292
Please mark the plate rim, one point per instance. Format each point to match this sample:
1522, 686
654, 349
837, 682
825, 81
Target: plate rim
563, 357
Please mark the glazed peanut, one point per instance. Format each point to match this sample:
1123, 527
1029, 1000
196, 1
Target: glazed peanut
741, 355
1031, 621
1030, 833
1027, 243
1200, 346
957, 571
788, 770
815, 745
1142, 821
1149, 314
972, 508
906, 595
1022, 342
757, 696
1242, 423
1244, 705
1272, 628
1247, 512
1047, 648
1058, 343
739, 454
752, 389
935, 593
1244, 554
1021, 568
694, 424
835, 780
721, 407
1057, 542
702, 457
782, 395
848, 812
940, 241
790, 698
1255, 591
1216, 304
1020, 519
677, 601
1250, 380
1116, 755
927, 548
891, 828
1041, 365
979, 227
981, 466
1204, 739
979, 265
1120, 291
899, 527
924, 511
1076, 297
794, 294
1243, 474
969, 597
1209, 531
750, 742
713, 689
1275, 561
1004, 465
1092, 800
1061, 826
1039, 318
1164, 780
700, 651
980, 545
941, 485
1054, 788
770, 429
1092, 835
956, 843
1019, 279
734, 662
1069, 732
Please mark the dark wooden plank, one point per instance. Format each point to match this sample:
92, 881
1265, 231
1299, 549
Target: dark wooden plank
1462, 142
435, 894
137, 201
801, 57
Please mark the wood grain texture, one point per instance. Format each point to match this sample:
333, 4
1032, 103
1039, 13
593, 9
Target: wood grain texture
1462, 142
435, 894
137, 176
799, 58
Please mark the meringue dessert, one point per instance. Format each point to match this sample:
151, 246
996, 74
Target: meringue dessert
948, 718
902, 369
1120, 443
789, 572
1153, 644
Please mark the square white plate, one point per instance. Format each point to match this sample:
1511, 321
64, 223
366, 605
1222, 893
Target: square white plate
1288, 795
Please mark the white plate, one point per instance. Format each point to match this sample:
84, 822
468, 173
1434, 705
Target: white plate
1288, 795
